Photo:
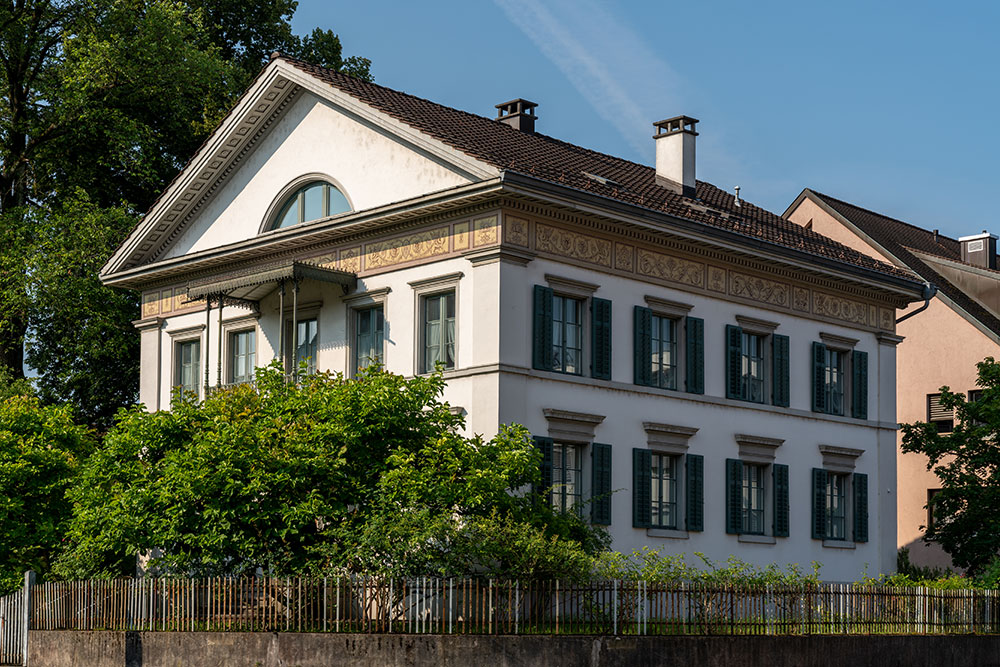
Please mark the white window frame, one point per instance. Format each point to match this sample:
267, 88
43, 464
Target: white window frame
372, 298
430, 287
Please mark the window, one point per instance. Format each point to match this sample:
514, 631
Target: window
664, 491
840, 504
752, 515
242, 356
567, 477
751, 367
836, 506
664, 352
840, 378
187, 366
975, 395
307, 344
567, 334
369, 328
439, 331
940, 416
752, 489
311, 202
931, 495
559, 331
757, 365
834, 381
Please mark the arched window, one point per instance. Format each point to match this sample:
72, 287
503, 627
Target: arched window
312, 201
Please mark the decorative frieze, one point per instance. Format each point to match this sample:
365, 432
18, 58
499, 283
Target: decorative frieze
668, 267
624, 257
484, 231
759, 289
717, 279
350, 259
839, 308
421, 245
573, 245
462, 238
800, 299
516, 231
887, 319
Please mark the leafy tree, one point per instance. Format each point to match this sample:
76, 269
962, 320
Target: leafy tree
40, 451
331, 474
82, 331
111, 97
967, 463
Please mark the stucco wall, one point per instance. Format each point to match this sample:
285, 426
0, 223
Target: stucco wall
941, 348
825, 224
371, 166
150, 649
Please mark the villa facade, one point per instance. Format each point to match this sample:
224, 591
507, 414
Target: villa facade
700, 374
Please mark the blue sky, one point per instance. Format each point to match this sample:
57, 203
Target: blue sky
891, 106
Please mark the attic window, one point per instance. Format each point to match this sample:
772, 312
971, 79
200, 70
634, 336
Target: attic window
312, 201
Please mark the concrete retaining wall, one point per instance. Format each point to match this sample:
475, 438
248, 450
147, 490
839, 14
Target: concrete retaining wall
210, 649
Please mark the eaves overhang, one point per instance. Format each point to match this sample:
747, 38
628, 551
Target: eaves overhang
909, 290
293, 240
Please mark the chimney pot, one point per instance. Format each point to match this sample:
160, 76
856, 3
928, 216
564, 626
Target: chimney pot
519, 114
675, 154
980, 249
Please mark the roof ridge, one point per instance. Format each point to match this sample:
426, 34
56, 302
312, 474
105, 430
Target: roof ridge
882, 215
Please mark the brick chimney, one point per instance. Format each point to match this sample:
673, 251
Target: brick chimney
675, 154
519, 114
980, 249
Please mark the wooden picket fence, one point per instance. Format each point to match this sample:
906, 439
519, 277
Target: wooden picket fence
12, 629
490, 606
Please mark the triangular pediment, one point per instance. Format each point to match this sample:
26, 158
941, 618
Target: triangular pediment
287, 127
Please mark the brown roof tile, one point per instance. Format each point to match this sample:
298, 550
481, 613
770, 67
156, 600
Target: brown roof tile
898, 238
556, 161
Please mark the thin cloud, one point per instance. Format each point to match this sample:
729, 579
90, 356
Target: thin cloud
604, 59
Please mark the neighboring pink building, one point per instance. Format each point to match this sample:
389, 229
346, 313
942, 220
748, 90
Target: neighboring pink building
943, 342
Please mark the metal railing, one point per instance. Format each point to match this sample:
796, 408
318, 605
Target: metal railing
489, 606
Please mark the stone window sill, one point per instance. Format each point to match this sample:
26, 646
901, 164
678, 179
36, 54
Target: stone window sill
667, 533
758, 539
839, 544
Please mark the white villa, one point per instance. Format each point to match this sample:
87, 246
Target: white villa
715, 377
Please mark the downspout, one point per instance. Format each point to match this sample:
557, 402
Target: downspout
929, 292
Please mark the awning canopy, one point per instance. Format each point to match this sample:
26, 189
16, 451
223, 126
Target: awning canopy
255, 285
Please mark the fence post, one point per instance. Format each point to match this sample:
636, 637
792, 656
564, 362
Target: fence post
29, 581
614, 605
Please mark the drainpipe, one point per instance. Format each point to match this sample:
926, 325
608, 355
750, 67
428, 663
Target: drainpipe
929, 292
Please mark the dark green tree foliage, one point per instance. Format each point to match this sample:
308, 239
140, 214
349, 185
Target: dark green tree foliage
82, 333
40, 450
967, 463
111, 97
331, 475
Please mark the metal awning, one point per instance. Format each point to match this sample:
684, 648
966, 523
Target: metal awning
255, 285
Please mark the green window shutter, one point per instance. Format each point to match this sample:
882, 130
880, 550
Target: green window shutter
694, 360
541, 358
734, 361
781, 503
600, 484
780, 379
818, 377
734, 496
818, 504
545, 446
694, 491
643, 347
642, 482
600, 338
859, 385
860, 507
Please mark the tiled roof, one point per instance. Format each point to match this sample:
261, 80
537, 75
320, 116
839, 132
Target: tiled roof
899, 238
556, 161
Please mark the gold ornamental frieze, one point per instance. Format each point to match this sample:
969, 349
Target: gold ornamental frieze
840, 308
421, 245
515, 231
668, 267
574, 245
484, 231
760, 289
